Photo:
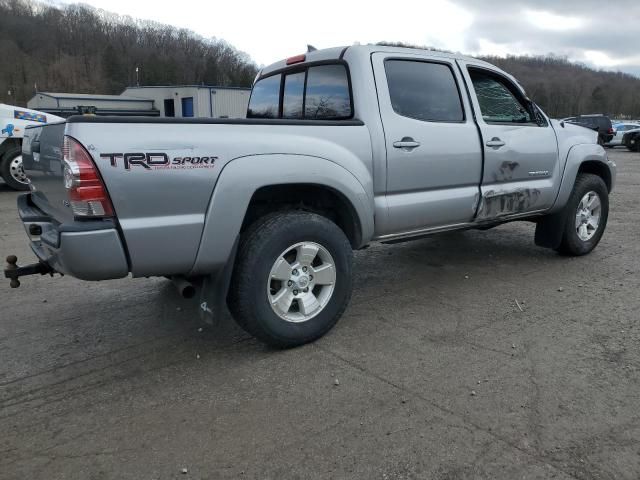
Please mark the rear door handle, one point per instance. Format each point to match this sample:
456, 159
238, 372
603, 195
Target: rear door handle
407, 144
495, 142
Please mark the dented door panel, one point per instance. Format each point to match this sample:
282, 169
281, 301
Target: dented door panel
521, 171
522, 175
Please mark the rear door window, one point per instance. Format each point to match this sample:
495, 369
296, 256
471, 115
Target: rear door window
320, 92
265, 98
424, 91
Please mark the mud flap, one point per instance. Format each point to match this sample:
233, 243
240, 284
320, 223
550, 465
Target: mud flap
209, 302
550, 229
213, 292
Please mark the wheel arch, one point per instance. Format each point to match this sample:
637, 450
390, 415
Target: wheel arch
8, 144
253, 183
318, 198
598, 168
584, 158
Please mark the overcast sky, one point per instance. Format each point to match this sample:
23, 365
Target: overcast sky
599, 33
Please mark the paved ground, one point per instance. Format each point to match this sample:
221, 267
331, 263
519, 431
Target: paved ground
440, 373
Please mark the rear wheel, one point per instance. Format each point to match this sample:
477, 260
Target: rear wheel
12, 171
587, 213
292, 279
633, 144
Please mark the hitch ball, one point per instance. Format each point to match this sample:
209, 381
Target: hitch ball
12, 262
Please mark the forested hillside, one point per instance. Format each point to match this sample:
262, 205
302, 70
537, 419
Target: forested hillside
563, 88
83, 50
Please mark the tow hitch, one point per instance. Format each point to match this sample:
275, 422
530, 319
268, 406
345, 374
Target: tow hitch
13, 271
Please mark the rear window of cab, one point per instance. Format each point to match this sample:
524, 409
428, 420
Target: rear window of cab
320, 92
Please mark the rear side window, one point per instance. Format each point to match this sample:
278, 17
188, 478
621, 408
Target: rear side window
327, 95
424, 91
319, 92
499, 102
265, 98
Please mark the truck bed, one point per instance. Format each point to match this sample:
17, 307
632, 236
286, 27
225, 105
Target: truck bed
160, 173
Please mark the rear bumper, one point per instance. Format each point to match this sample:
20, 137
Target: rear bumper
90, 250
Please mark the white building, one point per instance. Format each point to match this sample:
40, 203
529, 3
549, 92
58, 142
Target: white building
195, 100
67, 104
164, 101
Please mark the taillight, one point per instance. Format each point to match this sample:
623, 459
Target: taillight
87, 196
611, 130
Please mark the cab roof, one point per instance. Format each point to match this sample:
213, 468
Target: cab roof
337, 53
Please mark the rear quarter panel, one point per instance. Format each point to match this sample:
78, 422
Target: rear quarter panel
162, 209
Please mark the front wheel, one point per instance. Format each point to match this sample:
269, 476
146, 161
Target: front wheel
12, 171
292, 279
587, 213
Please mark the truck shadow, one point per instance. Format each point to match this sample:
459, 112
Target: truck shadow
146, 320
105, 332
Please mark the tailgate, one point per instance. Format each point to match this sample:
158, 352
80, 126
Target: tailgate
43, 164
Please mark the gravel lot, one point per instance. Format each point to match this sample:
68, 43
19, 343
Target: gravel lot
433, 372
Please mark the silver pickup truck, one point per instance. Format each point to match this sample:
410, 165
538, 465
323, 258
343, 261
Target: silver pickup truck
340, 147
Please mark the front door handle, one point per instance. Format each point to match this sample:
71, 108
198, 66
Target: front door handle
407, 144
495, 142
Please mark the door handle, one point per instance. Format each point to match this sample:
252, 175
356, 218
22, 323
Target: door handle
495, 142
407, 144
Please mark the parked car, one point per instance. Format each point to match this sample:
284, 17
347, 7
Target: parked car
631, 140
13, 121
619, 129
598, 122
342, 147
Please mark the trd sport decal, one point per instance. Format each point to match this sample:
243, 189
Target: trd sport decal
157, 161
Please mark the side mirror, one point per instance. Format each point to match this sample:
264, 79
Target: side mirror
541, 121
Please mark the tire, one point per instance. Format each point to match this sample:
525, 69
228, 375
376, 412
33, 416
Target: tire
580, 238
10, 172
633, 147
255, 288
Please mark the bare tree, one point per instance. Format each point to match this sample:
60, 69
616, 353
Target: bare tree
81, 49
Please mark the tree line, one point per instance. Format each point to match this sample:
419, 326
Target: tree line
79, 49
563, 88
